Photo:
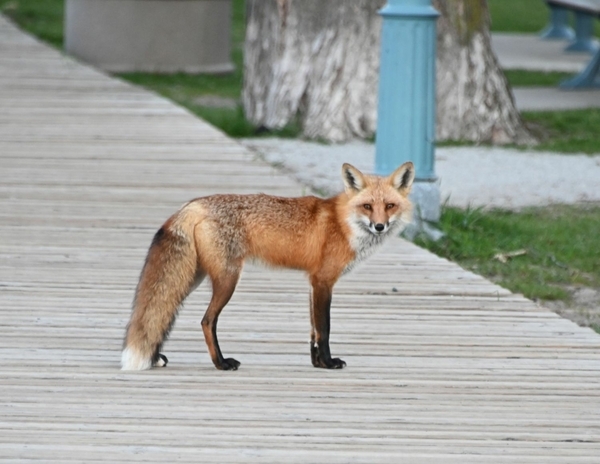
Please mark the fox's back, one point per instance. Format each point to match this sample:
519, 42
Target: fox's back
289, 232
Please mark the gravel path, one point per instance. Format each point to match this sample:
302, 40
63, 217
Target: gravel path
476, 176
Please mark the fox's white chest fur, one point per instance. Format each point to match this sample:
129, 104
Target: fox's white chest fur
364, 242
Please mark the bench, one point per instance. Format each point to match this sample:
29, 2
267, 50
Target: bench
558, 28
585, 13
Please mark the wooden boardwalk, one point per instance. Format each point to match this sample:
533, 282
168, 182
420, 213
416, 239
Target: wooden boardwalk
443, 366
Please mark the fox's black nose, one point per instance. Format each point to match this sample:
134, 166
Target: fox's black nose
379, 227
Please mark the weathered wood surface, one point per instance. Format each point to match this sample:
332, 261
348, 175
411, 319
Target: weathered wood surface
443, 366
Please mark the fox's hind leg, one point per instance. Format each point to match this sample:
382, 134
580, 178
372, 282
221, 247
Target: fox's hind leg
158, 358
223, 287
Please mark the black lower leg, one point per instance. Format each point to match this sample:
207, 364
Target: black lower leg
222, 290
320, 353
221, 363
321, 356
159, 359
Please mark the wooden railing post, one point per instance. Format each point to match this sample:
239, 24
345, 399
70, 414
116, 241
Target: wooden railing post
406, 108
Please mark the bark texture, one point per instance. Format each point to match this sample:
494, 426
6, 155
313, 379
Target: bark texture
318, 60
474, 100
314, 59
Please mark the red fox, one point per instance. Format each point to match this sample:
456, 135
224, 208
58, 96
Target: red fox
212, 236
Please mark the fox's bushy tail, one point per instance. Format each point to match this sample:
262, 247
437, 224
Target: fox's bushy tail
168, 276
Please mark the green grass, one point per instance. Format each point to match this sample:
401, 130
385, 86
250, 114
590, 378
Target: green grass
43, 18
525, 16
565, 132
518, 15
522, 78
574, 131
562, 245
234, 123
183, 87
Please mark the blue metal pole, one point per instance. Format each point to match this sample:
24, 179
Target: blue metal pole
406, 108
559, 25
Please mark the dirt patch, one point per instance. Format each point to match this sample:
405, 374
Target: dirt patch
583, 307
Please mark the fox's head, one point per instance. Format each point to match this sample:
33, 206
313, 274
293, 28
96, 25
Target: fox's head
377, 204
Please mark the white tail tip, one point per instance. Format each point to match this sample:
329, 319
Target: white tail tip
133, 361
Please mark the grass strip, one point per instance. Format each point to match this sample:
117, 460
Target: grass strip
561, 247
42, 18
573, 131
523, 78
523, 16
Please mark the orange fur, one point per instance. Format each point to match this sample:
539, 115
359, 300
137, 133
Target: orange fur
214, 236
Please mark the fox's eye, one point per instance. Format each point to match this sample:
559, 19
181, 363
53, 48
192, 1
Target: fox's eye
390, 206
367, 206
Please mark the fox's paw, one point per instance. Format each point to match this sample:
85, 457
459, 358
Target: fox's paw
324, 362
336, 363
318, 361
161, 361
228, 364
331, 363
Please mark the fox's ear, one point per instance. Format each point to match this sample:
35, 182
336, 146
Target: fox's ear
402, 178
354, 180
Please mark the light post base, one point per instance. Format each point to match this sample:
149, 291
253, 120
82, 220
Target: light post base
425, 197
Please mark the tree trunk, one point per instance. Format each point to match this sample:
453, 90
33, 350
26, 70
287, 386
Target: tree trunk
474, 101
313, 59
318, 60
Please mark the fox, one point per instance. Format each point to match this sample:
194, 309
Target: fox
213, 236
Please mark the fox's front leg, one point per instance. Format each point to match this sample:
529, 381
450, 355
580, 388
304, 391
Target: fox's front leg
320, 305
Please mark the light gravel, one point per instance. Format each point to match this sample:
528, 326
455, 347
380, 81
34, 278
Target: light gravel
468, 176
